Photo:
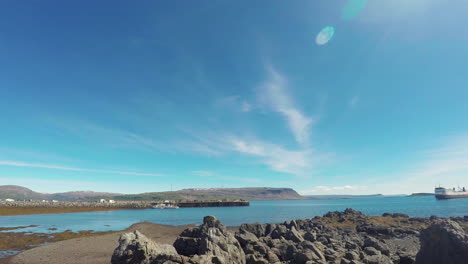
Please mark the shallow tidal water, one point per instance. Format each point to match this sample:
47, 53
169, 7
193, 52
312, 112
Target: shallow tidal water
258, 211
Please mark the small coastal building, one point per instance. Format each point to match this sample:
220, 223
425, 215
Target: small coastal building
111, 201
9, 200
54, 201
103, 201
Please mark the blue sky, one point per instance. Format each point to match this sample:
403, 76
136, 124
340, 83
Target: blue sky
136, 97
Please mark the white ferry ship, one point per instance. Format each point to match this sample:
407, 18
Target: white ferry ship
447, 193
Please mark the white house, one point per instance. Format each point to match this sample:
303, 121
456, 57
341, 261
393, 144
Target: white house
112, 201
9, 200
102, 201
54, 201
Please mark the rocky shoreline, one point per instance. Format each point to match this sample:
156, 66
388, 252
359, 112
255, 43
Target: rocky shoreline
348, 237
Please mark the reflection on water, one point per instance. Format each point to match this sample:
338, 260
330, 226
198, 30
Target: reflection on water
259, 211
6, 253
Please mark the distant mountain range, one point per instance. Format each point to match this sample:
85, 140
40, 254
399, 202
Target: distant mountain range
22, 193
421, 194
254, 193
261, 193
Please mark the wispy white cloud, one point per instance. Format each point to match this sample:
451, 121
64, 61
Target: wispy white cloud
353, 101
204, 173
105, 135
246, 107
57, 167
446, 165
273, 93
235, 102
195, 146
383, 11
280, 159
345, 189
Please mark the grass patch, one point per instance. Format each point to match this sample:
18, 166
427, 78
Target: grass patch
51, 210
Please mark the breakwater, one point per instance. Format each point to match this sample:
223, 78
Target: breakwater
213, 204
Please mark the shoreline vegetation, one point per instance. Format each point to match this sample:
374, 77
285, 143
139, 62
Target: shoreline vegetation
28, 208
348, 235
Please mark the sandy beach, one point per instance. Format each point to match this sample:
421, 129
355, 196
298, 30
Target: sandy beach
96, 249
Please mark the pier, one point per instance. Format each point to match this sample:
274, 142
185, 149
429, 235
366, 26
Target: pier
212, 203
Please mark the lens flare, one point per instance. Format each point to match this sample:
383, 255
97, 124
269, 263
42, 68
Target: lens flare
325, 35
352, 9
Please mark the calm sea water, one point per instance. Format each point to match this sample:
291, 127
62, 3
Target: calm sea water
258, 211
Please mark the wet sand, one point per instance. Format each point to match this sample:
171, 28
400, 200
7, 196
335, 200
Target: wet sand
95, 249
14, 242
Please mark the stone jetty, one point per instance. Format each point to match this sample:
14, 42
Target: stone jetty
213, 203
348, 237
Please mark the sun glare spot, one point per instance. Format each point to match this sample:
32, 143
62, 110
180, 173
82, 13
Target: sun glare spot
325, 35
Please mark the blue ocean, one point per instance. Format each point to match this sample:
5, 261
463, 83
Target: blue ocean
258, 211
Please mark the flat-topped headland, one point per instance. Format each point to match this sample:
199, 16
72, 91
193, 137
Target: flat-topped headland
347, 237
39, 207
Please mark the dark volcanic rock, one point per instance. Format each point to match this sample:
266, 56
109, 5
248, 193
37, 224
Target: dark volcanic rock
375, 243
348, 237
135, 248
294, 235
210, 243
378, 259
443, 242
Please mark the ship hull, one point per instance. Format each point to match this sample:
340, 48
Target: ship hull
450, 196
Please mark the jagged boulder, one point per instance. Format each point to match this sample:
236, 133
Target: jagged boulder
257, 229
136, 248
210, 243
244, 237
443, 242
375, 243
294, 235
